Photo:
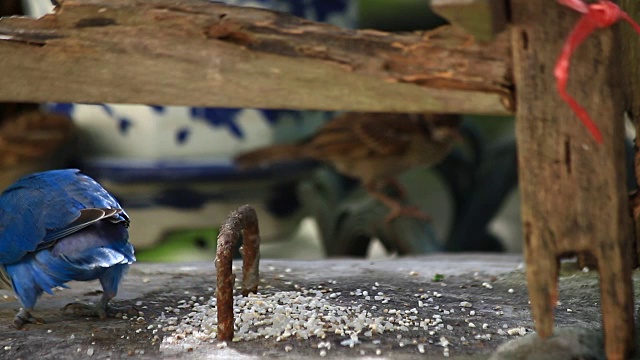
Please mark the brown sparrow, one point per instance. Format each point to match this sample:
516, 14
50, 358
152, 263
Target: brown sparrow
372, 147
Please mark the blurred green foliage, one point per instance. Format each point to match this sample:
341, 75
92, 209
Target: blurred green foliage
398, 15
183, 246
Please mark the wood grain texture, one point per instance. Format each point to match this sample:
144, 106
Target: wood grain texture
198, 53
630, 57
573, 191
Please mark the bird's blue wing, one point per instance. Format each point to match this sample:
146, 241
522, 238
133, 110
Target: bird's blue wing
41, 208
86, 218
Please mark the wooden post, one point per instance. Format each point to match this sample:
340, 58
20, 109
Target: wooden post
573, 191
630, 41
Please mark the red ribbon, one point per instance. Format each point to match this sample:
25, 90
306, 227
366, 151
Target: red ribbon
596, 16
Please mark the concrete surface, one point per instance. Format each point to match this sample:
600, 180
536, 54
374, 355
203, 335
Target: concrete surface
492, 286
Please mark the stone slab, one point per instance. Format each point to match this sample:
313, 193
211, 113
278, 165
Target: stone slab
493, 285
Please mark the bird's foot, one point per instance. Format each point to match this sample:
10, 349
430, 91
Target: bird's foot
398, 209
23, 317
407, 211
101, 311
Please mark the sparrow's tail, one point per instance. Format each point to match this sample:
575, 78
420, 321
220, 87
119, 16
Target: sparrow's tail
270, 155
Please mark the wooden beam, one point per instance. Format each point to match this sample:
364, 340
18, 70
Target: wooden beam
483, 19
573, 191
198, 53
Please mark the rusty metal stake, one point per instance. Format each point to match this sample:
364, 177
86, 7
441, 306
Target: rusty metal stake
243, 219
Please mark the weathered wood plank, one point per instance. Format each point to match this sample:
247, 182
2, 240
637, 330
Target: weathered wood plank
630, 56
192, 52
573, 191
483, 19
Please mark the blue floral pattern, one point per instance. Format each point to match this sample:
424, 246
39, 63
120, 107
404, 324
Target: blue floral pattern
218, 117
124, 123
182, 135
317, 10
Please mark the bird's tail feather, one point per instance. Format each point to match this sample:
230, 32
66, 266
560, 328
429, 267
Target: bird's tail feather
43, 271
269, 155
29, 279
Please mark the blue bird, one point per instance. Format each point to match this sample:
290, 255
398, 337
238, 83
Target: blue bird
58, 226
